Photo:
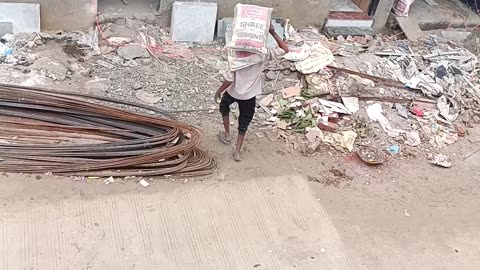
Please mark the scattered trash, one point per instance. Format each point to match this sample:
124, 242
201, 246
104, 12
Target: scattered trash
417, 111
5, 50
144, 183
347, 139
330, 107
109, 180
371, 155
406, 213
413, 138
318, 58
441, 161
448, 108
394, 149
351, 103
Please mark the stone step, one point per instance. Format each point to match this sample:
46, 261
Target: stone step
334, 31
348, 19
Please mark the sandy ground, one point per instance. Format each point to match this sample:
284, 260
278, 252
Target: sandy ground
405, 213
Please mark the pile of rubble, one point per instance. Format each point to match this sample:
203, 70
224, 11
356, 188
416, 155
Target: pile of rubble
352, 93
377, 93
126, 59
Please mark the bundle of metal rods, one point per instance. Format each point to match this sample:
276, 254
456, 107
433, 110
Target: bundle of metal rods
47, 131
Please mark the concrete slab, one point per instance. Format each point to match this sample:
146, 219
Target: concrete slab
348, 19
193, 21
24, 17
267, 223
447, 14
6, 28
410, 27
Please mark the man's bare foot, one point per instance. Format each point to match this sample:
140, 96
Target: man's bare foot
224, 138
237, 156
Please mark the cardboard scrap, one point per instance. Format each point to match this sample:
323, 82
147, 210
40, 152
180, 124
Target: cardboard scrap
291, 92
330, 107
351, 103
266, 101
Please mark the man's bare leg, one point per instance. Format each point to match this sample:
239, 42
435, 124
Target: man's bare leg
226, 125
237, 155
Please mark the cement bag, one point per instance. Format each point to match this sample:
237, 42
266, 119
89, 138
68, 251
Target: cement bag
318, 58
250, 28
240, 59
401, 7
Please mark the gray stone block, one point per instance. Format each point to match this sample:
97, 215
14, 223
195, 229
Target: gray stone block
6, 28
334, 31
24, 17
193, 21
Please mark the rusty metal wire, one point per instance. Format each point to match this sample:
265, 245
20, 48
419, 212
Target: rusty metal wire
49, 131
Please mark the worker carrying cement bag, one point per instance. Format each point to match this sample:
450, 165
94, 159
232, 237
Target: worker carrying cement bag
250, 28
247, 52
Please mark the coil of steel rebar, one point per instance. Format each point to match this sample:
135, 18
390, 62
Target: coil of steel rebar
50, 131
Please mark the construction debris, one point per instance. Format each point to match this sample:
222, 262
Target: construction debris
415, 93
144, 183
441, 161
345, 92
45, 131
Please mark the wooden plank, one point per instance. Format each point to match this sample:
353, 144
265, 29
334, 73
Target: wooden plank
364, 5
410, 27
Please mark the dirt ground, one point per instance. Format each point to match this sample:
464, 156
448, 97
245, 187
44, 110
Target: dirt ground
403, 200
407, 203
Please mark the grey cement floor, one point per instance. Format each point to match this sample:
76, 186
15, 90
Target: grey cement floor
448, 14
262, 223
265, 223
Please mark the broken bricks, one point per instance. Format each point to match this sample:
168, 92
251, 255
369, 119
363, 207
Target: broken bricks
313, 147
328, 126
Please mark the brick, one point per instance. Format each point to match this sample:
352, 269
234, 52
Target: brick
313, 147
330, 127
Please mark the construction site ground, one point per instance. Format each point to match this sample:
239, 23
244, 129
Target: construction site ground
263, 211
277, 209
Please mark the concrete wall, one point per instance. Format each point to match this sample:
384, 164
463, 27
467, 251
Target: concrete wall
300, 12
64, 14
